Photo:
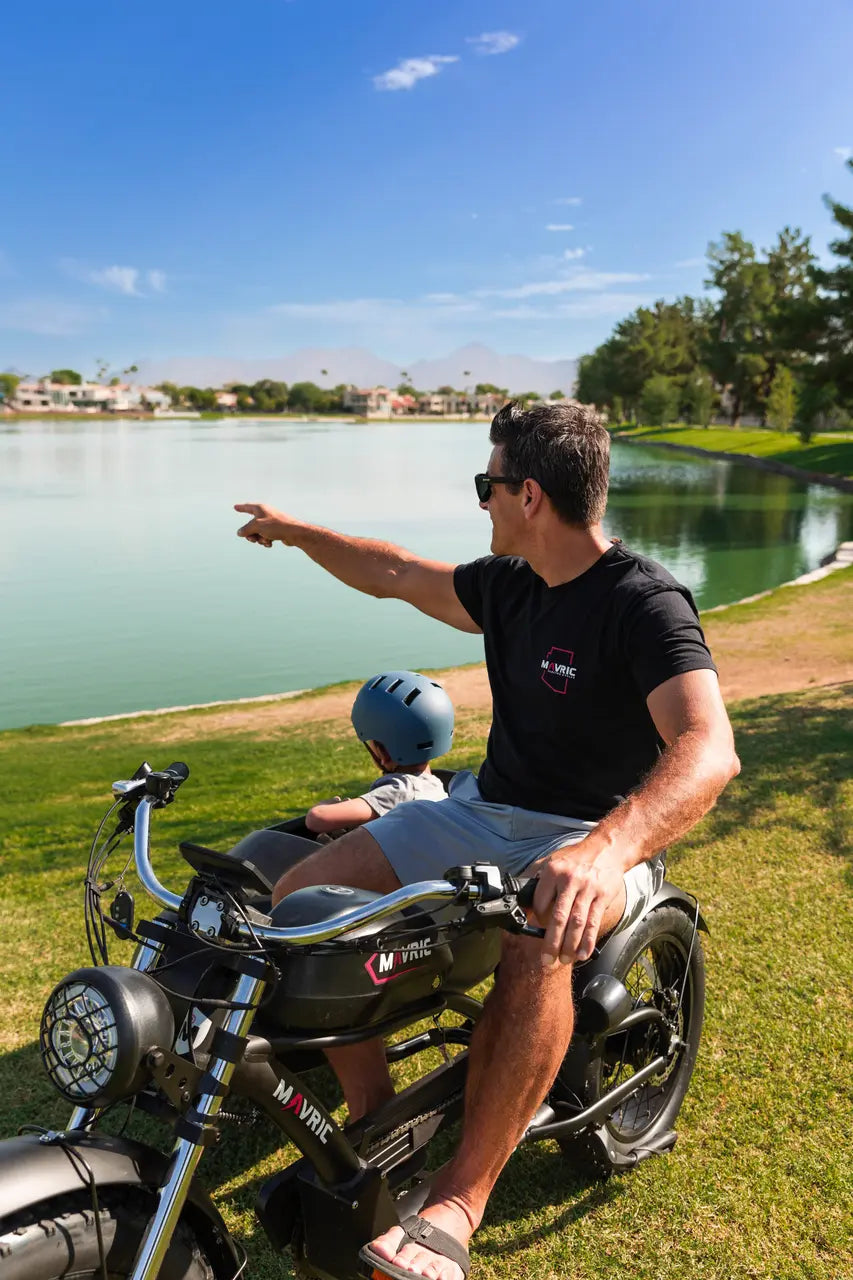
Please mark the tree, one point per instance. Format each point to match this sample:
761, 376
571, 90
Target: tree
67, 377
617, 412
782, 399
667, 338
270, 396
447, 391
308, 397
737, 347
659, 400
489, 389
832, 315
202, 399
817, 408
556, 395
699, 397
8, 385
406, 389
171, 390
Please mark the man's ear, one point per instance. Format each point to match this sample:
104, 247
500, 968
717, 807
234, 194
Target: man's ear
532, 491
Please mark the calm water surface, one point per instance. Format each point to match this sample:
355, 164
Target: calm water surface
123, 586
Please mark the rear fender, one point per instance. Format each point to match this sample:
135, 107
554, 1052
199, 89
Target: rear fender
32, 1171
602, 960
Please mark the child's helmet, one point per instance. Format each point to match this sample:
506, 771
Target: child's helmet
408, 713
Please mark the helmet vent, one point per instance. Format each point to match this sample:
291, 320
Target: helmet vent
395, 684
377, 682
424, 746
410, 697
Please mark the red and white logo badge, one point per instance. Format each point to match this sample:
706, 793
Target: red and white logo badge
558, 669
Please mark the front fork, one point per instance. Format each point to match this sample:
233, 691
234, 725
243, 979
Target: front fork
195, 1127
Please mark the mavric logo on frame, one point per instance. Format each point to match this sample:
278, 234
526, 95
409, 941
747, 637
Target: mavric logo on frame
385, 965
306, 1112
558, 669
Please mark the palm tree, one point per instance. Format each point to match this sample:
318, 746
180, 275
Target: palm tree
466, 374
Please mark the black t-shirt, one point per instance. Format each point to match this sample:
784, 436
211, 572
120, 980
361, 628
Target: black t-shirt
570, 669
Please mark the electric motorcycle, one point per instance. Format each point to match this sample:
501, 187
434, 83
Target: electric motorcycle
229, 1002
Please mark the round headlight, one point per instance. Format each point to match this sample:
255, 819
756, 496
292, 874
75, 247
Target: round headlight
96, 1029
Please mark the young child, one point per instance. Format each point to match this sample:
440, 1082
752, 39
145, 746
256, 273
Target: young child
405, 720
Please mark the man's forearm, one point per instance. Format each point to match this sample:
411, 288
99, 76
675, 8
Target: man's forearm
681, 788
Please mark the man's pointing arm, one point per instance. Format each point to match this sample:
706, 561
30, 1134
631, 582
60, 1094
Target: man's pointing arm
377, 568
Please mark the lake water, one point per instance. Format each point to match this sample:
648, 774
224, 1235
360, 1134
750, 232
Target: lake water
123, 586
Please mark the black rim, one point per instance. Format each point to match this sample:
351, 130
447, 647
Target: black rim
658, 976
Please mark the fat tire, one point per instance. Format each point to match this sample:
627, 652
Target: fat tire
608, 1147
58, 1238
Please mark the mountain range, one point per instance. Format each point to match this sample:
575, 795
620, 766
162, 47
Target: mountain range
462, 368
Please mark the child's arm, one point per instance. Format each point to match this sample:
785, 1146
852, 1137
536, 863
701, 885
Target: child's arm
332, 815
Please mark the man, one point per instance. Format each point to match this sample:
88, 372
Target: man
609, 740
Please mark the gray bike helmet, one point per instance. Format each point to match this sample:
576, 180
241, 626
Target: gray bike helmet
408, 713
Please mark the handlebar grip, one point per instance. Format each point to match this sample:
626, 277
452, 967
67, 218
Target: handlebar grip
526, 890
179, 771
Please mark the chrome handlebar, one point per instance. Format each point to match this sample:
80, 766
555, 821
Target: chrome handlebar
319, 932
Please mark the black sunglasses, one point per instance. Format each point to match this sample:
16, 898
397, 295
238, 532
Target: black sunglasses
483, 484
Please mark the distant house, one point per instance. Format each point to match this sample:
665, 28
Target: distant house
368, 402
45, 396
404, 406
226, 400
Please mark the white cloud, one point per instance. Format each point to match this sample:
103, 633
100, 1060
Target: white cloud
579, 280
49, 316
122, 279
691, 262
491, 42
844, 152
568, 200
571, 254
559, 226
540, 300
116, 279
408, 72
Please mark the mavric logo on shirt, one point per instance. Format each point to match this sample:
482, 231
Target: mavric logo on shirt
558, 669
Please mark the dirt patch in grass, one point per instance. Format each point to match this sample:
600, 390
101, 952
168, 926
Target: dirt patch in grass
795, 638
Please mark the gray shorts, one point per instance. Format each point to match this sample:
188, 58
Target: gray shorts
423, 838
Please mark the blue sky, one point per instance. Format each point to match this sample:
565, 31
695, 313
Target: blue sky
406, 175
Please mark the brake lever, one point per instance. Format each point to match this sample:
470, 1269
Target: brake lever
524, 898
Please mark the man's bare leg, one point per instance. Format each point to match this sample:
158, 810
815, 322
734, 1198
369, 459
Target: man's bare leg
516, 1052
355, 859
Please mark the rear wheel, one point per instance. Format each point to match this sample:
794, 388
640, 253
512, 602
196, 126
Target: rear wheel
59, 1238
662, 966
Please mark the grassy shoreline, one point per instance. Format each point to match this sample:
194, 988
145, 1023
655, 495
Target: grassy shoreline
829, 455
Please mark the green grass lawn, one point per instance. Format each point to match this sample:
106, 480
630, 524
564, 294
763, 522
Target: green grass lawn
831, 454
760, 1183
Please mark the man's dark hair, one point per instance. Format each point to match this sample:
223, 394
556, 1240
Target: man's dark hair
565, 448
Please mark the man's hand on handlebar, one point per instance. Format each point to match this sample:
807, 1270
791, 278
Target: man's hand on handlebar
571, 898
267, 525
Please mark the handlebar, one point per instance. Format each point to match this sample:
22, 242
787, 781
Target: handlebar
323, 930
